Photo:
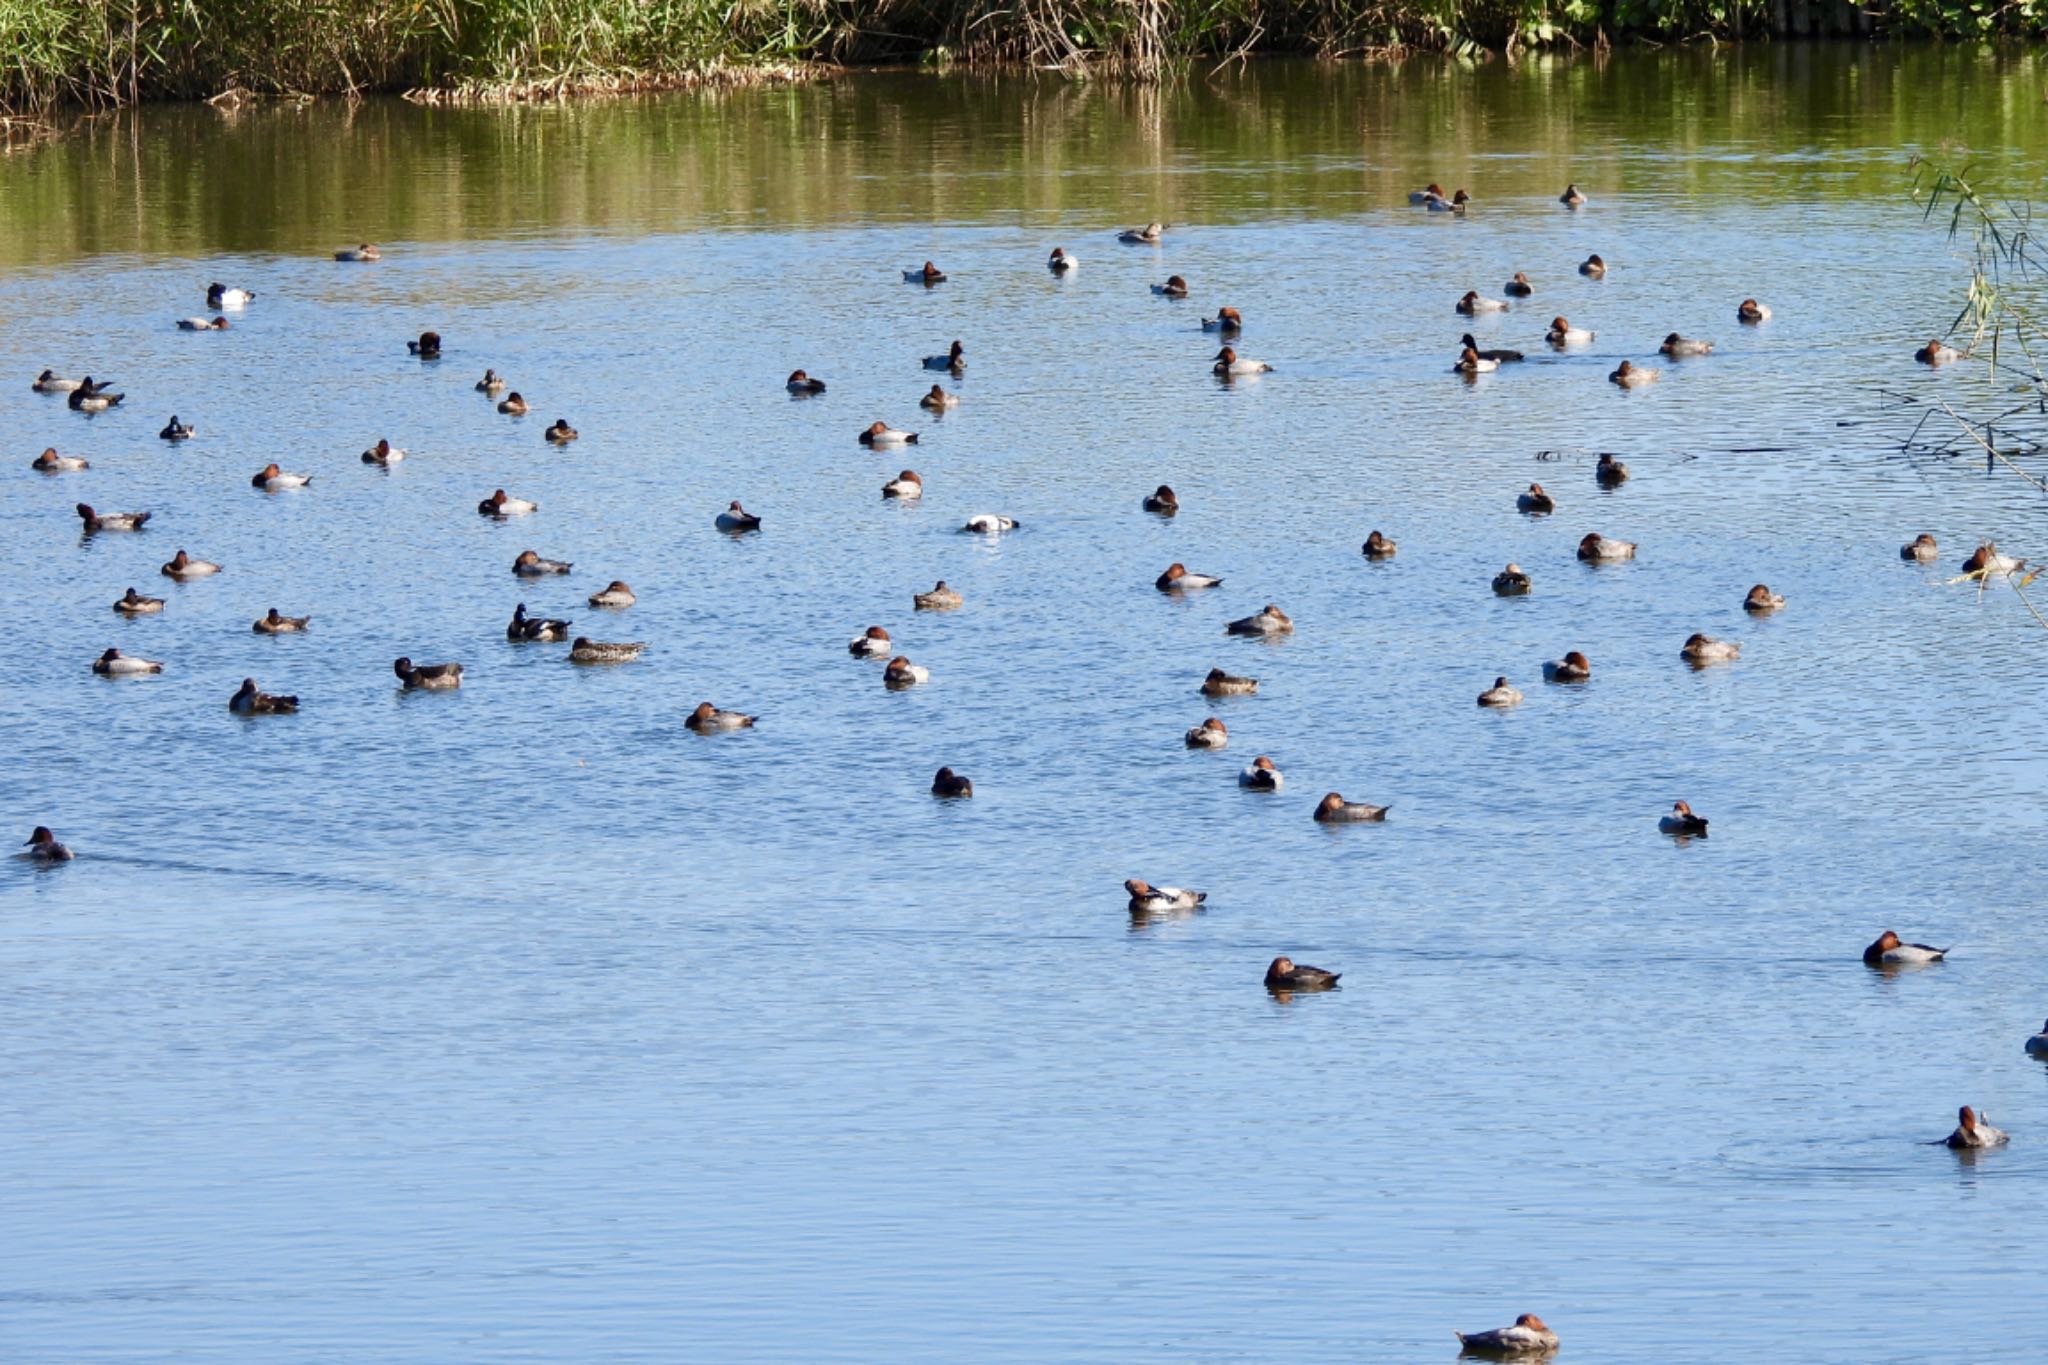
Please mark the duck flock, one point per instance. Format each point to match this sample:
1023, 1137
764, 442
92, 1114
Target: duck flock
1529, 1335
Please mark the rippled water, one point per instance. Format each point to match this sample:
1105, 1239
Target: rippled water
521, 1023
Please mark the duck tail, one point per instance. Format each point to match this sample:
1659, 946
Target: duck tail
911, 440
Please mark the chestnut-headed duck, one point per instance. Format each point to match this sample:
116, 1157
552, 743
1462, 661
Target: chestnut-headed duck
1610, 472
1761, 600
1501, 694
1455, 204
1677, 346
1471, 304
1933, 353
219, 296
1920, 548
1502, 355
2037, 1046
709, 720
1681, 820
1572, 668
1230, 362
872, 644
49, 381
882, 434
1471, 362
531, 565
1162, 501
1529, 1335
523, 628
618, 595
115, 664
111, 521
87, 400
43, 847
383, 453
1378, 546
1511, 581
1226, 320
493, 385
948, 783
513, 404
736, 518
938, 400
270, 478
1535, 501
902, 673
1571, 198
561, 433
802, 385
214, 324
1174, 288
1269, 620
184, 566
1147, 899
427, 677
1972, 1131
499, 504
907, 486
583, 650
1178, 579
940, 598
428, 347
1210, 734
1261, 776
1594, 547
989, 524
1593, 268
955, 359
366, 252
174, 430
1144, 236
1519, 287
1423, 196
1750, 311
1221, 684
1630, 376
1705, 649
1335, 810
50, 462
1562, 334
1986, 562
1284, 975
248, 701
1061, 261
1891, 951
273, 623
927, 274
134, 603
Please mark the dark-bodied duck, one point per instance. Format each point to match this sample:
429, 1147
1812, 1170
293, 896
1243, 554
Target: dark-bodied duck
1178, 579
1563, 334
1511, 581
1536, 502
43, 847
938, 400
616, 596
1921, 549
1147, 899
133, 603
492, 385
50, 462
531, 565
115, 664
1268, 620
501, 504
275, 623
1519, 287
111, 521
383, 453
905, 487
2037, 1045
174, 430
1680, 820
1162, 501
524, 628
902, 673
1221, 684
1378, 546
873, 643
880, 434
1335, 810
709, 720
1497, 354
427, 347
1226, 320
183, 566
1061, 261
1472, 303
1593, 268
940, 598
1752, 312
1762, 601
1610, 472
561, 433
1261, 776
1677, 346
1174, 288
1595, 548
1700, 650
271, 479
1210, 734
1147, 235
1972, 1131
1571, 198
583, 650
955, 359
1501, 694
1890, 950
219, 296
926, 274
214, 324
951, 785
427, 677
1572, 668
1284, 975
1455, 204
1529, 1336
365, 252
735, 519
1229, 362
248, 701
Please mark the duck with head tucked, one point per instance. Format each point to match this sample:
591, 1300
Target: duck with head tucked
1680, 820
1529, 1336
1889, 950
709, 720
1471, 304
1987, 562
906, 487
366, 252
736, 519
88, 399
926, 274
1700, 650
513, 404
525, 629
1162, 501
529, 564
383, 453
1511, 581
134, 603
1610, 472
1284, 975
249, 701
1261, 776
1971, 1131
1378, 546
1762, 601
955, 359
1571, 198
184, 567
1178, 579
1174, 288
111, 521
428, 347
427, 677
1210, 734
1229, 362
938, 400
1752, 312
989, 524
1921, 549
951, 785
882, 434
1629, 375
617, 596
583, 650
902, 673
1147, 235
275, 623
1221, 684
1593, 268
502, 505
1519, 287
1572, 668
174, 430
1936, 352
1454, 205
1061, 261
1227, 320
874, 643
2037, 1046
1147, 899
1501, 694
1563, 334
802, 385
271, 479
1335, 810
1268, 620
214, 324
114, 664
1536, 502
43, 847
1677, 346
940, 598
1595, 548
49, 381
561, 433
490, 384
1424, 195
50, 462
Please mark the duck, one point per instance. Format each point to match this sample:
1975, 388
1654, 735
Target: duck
906, 486
2037, 1046
1890, 951
583, 650
1761, 600
873, 643
1178, 579
736, 518
938, 400
1455, 204
1261, 776
1335, 810
111, 521
1572, 668
531, 565
1210, 734
115, 664
1752, 312
174, 430
1705, 649
1226, 320
88, 399
709, 720
492, 385
248, 701
1378, 546
1595, 547
989, 524
1471, 304
383, 453
133, 603
1221, 684
1228, 362
499, 505
1147, 899
1162, 501
1423, 196
1593, 268
1061, 261
561, 433
427, 677
1920, 548
1529, 1335
1972, 1131
1505, 357
50, 462
366, 252
1676, 346
1986, 562
1933, 353
882, 434
1628, 376
1284, 975
524, 628
1571, 198
427, 347
270, 479
183, 566
1174, 288
274, 624
213, 324
927, 274
1269, 620
950, 784
1511, 581
902, 673
940, 598
955, 359
1563, 334
1536, 501
1519, 287
513, 405
43, 847
1471, 362
1610, 472
1681, 820
1147, 235
1501, 694
49, 381
618, 595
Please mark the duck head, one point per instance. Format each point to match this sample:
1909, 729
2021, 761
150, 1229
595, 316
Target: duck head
1137, 889
1579, 661
876, 633
1330, 803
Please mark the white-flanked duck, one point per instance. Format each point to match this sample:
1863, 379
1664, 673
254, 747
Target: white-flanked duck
1889, 950
1147, 899
951, 785
1935, 352
538, 629
134, 603
1610, 472
531, 565
1221, 684
1629, 375
1269, 620
1529, 1336
1921, 549
1471, 362
427, 677
50, 462
1762, 601
366, 252
219, 296
1752, 312
1987, 562
587, 651
1563, 334
1061, 261
926, 274
709, 720
383, 453
1378, 546
1572, 668
1680, 820
1535, 501
1178, 579
940, 598
989, 524
1700, 650
500, 505
43, 847
938, 400
874, 643
882, 434
1472, 303
1501, 694
561, 433
275, 623
493, 384
902, 673
88, 399
1210, 734
1261, 776
174, 430
215, 324
1593, 268
1427, 193
1229, 362
736, 518
426, 347
270, 479
1147, 235
1176, 287
1511, 581
906, 486
1226, 320
115, 664
616, 596
1162, 501
183, 566
1284, 974
1335, 810
1595, 548
955, 359
49, 381
1973, 1132
1677, 346
248, 701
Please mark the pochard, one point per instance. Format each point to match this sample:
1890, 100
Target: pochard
951, 785
1378, 546
1986, 562
1335, 810
1973, 1132
1226, 320
248, 701
1935, 352
1677, 346
1228, 362
213, 324
1572, 668
902, 673
989, 524
1285, 975
43, 847
1889, 950
874, 643
271, 479
427, 677
501, 505
1269, 620
1920, 548
427, 347
927, 274
531, 565
1519, 287
882, 434
383, 453
709, 720
803, 385
1471, 362
1178, 579
115, 664
938, 400
1563, 334
1529, 1335
1701, 650
1595, 548
1162, 501
275, 623
111, 521
183, 566
1761, 600
1630, 376
1261, 776
1471, 304
1147, 899
906, 486
1210, 734
1174, 288
735, 519
1061, 261
50, 462
1535, 501
1750, 311
1681, 820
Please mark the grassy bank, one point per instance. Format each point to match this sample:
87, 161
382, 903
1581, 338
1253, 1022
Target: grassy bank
106, 52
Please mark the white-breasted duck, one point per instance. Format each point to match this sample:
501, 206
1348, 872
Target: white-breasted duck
1472, 303
880, 434
1761, 600
1147, 899
938, 400
1261, 776
1971, 1132
1889, 950
271, 479
1752, 312
383, 453
213, 324
1061, 261
1176, 287
906, 486
1210, 734
1229, 362
1226, 320
989, 524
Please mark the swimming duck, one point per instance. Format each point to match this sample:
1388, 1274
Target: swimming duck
1986, 562
512, 405
1519, 287
906, 486
492, 385
427, 677
1705, 649
1630, 377
1511, 581
1536, 501
111, 521
1270, 620
1933, 353
1471, 304
1061, 261
617, 595
1283, 975
1572, 668
50, 462
247, 701
587, 651
365, 252
531, 565
561, 433
870, 644
1378, 546
1762, 600
1178, 579
1571, 198
955, 359
988, 524
1593, 268
1681, 820
709, 720
525, 628
183, 566
275, 624
929, 274
1750, 311
174, 430
1676, 346
938, 400
85, 398
1528, 1336
1890, 951
134, 603
1455, 204
1174, 288
1563, 334
270, 479
383, 453
1221, 684
1147, 899
948, 783
882, 434
1335, 810
1210, 734
428, 347
1471, 362
2037, 1046
115, 664
1228, 362
49, 381
1500, 694
902, 673
1610, 472
1972, 1131
1594, 547
1261, 776
43, 847
940, 598
1226, 320
1505, 357
215, 324
1144, 236
736, 518
1423, 196
1921, 548
1162, 501
501, 506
